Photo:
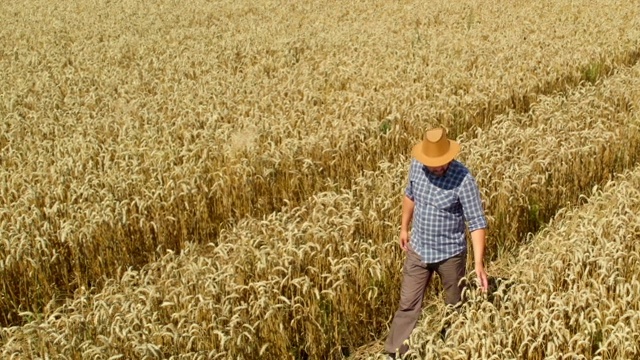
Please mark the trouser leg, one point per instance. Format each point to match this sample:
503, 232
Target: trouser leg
451, 271
415, 278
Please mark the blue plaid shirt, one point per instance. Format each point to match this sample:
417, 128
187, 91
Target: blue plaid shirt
442, 205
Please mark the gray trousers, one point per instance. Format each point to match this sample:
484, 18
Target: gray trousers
415, 278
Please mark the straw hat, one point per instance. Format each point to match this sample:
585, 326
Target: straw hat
436, 149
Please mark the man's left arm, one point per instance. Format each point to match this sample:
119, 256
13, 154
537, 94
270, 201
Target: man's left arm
478, 239
474, 215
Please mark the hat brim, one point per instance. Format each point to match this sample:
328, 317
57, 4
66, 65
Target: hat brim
454, 149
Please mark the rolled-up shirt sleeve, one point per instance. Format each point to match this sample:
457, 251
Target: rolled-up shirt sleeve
471, 201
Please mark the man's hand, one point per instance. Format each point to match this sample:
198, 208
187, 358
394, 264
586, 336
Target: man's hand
483, 278
404, 240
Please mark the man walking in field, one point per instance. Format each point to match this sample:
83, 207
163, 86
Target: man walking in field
441, 195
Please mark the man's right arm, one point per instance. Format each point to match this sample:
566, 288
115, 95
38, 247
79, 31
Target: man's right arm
407, 215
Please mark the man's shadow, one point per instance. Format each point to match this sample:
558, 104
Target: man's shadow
498, 286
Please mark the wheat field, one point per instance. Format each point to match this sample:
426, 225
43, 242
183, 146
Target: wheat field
222, 180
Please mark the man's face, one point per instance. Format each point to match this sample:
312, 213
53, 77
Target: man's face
438, 170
